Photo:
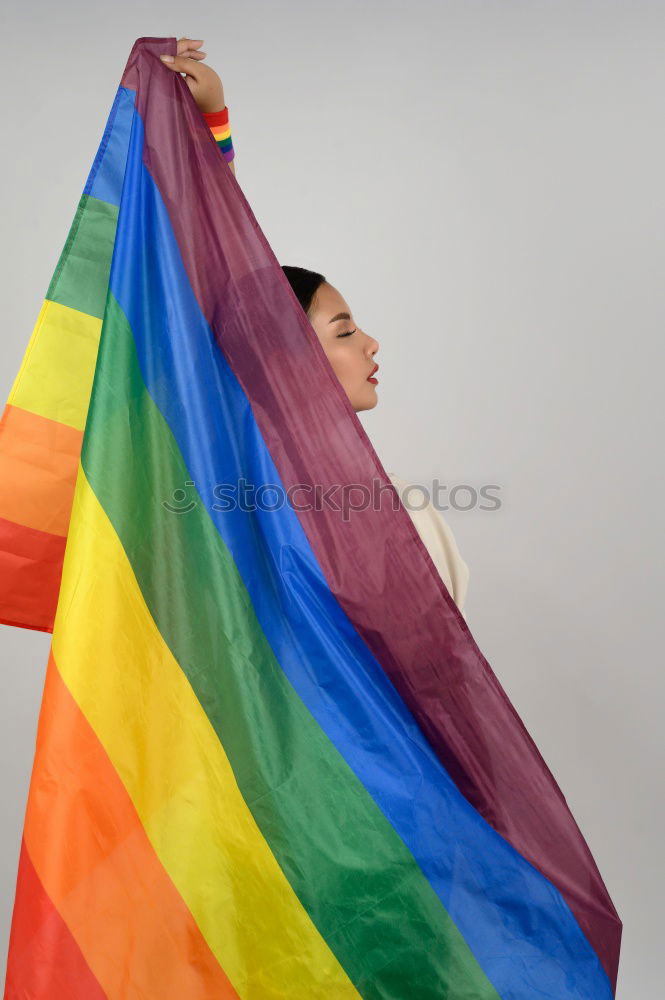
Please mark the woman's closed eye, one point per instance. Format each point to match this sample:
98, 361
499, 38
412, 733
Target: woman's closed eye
347, 334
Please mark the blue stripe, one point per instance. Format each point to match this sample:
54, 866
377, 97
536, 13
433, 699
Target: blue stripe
108, 168
520, 929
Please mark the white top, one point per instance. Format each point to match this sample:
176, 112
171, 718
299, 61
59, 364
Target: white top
439, 541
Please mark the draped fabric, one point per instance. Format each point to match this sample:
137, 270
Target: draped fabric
271, 759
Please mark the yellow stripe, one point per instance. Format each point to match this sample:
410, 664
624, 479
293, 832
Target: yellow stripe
55, 377
115, 662
220, 131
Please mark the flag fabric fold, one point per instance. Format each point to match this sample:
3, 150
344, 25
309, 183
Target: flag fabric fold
271, 759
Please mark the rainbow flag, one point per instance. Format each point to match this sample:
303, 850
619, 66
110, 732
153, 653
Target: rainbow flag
271, 760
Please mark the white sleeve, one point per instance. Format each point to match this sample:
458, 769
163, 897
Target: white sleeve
439, 541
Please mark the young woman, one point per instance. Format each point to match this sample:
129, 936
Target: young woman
348, 348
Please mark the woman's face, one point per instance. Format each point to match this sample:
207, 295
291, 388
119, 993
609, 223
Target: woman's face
349, 350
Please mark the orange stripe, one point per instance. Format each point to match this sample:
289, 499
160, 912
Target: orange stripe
38, 465
96, 864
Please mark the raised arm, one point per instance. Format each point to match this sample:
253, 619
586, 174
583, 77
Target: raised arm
207, 91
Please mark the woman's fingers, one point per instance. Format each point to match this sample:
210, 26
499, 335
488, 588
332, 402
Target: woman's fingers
180, 64
187, 48
184, 44
190, 48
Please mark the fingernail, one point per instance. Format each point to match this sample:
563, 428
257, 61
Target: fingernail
167, 58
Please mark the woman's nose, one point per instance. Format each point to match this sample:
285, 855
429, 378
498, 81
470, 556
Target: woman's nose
373, 345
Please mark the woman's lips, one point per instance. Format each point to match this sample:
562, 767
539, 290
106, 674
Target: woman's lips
370, 378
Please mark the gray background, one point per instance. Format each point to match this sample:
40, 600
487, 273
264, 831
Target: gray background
484, 184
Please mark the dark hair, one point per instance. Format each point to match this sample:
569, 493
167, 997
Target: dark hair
304, 283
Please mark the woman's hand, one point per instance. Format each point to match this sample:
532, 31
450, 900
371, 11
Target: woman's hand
204, 83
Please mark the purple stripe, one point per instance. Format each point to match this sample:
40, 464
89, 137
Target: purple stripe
374, 560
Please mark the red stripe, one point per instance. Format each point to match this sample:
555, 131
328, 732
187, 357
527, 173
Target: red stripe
31, 570
216, 117
44, 959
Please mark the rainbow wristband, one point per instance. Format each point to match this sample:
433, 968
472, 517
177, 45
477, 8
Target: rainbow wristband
218, 123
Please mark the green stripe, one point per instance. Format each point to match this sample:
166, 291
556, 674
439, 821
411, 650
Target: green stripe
81, 277
354, 875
